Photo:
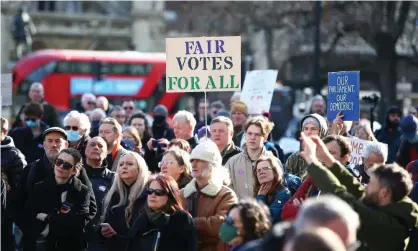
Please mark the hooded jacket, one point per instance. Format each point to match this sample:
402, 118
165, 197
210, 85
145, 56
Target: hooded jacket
383, 228
12, 161
295, 164
390, 135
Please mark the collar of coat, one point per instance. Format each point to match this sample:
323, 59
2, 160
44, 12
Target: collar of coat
212, 189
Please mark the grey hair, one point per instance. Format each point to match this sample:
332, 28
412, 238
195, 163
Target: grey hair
82, 118
376, 148
117, 108
185, 116
36, 84
323, 209
86, 96
100, 112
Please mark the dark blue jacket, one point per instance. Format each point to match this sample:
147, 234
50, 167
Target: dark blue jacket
276, 203
414, 193
101, 180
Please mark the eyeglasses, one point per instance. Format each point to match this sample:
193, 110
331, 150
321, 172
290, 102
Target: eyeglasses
74, 128
158, 192
65, 165
128, 107
167, 162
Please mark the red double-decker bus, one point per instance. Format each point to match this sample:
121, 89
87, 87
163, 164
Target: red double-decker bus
67, 74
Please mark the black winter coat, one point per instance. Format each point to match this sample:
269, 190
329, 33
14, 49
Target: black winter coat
41, 169
116, 219
176, 232
12, 162
31, 147
66, 227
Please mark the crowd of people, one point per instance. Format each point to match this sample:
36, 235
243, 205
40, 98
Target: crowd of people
105, 178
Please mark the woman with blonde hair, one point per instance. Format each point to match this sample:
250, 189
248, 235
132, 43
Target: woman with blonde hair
268, 185
124, 200
131, 138
364, 132
176, 163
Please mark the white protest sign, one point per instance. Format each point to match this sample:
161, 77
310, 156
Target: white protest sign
258, 90
203, 64
6, 89
358, 146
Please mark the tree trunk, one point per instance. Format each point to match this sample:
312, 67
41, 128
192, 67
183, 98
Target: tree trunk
386, 64
268, 33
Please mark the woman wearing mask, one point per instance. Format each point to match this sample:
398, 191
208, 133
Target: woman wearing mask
176, 163
245, 221
268, 186
164, 225
57, 208
124, 201
77, 126
130, 137
140, 122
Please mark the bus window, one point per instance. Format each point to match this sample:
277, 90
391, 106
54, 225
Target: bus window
127, 69
74, 67
36, 76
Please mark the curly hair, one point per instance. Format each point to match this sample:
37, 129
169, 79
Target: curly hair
255, 218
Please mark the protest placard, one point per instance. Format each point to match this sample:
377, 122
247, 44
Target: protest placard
343, 95
258, 90
203, 64
358, 146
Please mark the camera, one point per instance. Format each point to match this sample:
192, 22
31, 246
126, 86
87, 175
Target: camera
371, 100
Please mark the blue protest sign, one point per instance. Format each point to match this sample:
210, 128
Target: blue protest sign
343, 95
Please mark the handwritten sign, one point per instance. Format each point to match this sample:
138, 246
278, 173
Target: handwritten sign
258, 90
358, 146
343, 95
203, 64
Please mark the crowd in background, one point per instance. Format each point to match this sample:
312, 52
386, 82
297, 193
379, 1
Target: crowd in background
105, 178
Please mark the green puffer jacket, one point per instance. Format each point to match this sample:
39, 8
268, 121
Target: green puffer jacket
382, 229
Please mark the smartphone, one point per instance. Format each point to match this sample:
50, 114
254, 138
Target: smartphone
155, 143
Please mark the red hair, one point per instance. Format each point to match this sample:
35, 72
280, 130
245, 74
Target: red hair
169, 185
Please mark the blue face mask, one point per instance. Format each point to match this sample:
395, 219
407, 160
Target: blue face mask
30, 123
129, 143
73, 136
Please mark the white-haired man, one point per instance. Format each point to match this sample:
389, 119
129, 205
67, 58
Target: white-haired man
183, 125
77, 125
88, 102
374, 154
206, 197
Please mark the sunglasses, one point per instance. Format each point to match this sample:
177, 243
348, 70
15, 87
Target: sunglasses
128, 108
158, 192
74, 128
65, 165
91, 103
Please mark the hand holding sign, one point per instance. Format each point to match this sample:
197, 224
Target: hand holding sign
343, 95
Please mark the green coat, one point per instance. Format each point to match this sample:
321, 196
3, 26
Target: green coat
381, 229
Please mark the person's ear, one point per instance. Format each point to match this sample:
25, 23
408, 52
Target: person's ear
66, 144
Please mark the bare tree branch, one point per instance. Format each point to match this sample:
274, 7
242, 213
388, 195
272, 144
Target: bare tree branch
403, 16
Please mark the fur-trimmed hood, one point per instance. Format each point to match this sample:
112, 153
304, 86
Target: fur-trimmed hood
212, 189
